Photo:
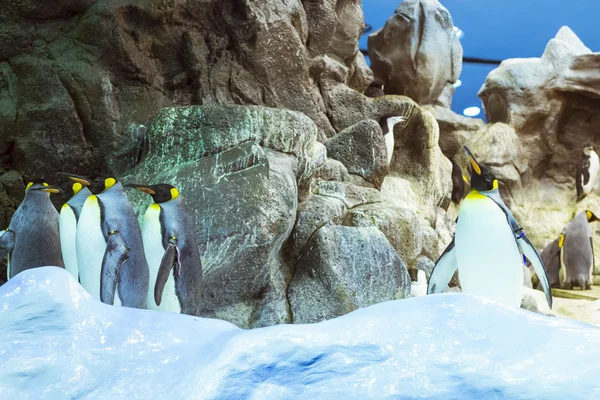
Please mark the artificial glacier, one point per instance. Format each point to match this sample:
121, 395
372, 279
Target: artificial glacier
56, 342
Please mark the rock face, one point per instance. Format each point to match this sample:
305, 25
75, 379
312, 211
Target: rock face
417, 52
345, 268
86, 74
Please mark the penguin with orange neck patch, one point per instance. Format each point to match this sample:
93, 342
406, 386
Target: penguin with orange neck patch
110, 252
171, 251
488, 246
32, 238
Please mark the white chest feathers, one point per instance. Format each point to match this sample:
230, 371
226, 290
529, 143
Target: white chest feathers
489, 261
594, 169
68, 230
154, 250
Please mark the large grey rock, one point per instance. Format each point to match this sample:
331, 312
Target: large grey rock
417, 52
239, 167
342, 269
361, 148
351, 195
331, 170
455, 129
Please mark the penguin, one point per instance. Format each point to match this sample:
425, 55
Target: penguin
76, 195
171, 251
488, 247
577, 251
32, 238
587, 172
375, 89
110, 252
551, 258
459, 183
387, 123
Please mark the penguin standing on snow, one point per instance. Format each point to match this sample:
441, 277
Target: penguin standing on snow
171, 251
387, 123
76, 194
110, 252
587, 172
32, 238
577, 251
488, 246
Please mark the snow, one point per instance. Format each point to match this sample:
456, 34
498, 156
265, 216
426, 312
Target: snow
57, 342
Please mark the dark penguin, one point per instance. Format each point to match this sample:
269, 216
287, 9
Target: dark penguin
32, 238
375, 88
551, 258
171, 251
110, 252
587, 172
459, 183
577, 251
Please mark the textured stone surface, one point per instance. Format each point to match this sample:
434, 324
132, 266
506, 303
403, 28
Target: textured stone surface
345, 268
361, 148
331, 170
351, 195
417, 52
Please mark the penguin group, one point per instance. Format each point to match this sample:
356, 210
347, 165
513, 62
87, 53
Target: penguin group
97, 238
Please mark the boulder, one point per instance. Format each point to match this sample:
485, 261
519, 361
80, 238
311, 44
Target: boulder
350, 194
417, 52
362, 150
342, 269
455, 129
331, 170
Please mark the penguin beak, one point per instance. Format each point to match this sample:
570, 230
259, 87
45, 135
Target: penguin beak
50, 189
76, 178
474, 164
143, 188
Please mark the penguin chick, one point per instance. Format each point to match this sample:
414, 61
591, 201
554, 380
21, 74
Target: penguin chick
577, 251
110, 252
32, 238
587, 172
171, 251
488, 246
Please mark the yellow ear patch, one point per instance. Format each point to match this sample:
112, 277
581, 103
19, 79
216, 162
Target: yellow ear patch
77, 187
475, 166
465, 179
174, 193
561, 241
495, 184
589, 214
109, 182
44, 183
28, 186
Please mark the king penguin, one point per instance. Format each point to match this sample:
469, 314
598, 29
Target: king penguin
387, 123
76, 194
577, 251
488, 246
587, 172
551, 258
32, 238
171, 251
110, 252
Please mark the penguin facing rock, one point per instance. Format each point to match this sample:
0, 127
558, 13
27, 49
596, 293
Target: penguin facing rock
110, 252
488, 246
577, 251
32, 238
171, 251
387, 123
587, 172
76, 195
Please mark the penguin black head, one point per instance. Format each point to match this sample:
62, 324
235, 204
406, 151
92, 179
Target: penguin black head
482, 178
96, 184
40, 185
591, 217
160, 193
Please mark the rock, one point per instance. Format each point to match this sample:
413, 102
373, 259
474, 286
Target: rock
331, 170
351, 195
342, 269
313, 214
361, 148
242, 165
13, 184
417, 52
529, 303
455, 129
426, 265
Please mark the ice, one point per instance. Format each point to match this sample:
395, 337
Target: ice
56, 342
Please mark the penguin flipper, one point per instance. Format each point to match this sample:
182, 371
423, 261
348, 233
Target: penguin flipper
7, 242
114, 257
169, 259
443, 270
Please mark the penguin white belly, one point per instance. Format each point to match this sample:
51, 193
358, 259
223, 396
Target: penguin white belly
154, 250
489, 261
594, 170
68, 229
389, 144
